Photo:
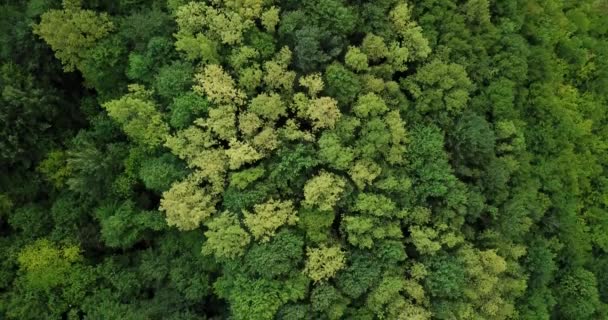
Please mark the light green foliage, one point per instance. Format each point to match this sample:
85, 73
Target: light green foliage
276, 75
334, 153
363, 230
398, 140
323, 191
323, 112
71, 32
268, 217
138, 117
324, 262
410, 32
226, 239
187, 205
375, 204
374, 47
54, 168
222, 121
243, 56
424, 240
318, 159
356, 59
267, 106
270, 19
243, 178
241, 153
312, 82
217, 85
47, 265
197, 47
370, 105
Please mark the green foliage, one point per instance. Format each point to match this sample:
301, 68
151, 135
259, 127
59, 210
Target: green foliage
315, 159
225, 237
46, 265
322, 263
122, 225
71, 32
138, 117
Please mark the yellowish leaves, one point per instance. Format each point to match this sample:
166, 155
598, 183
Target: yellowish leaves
323, 112
222, 121
190, 17
270, 19
485, 270
268, 217
71, 32
364, 172
227, 25
312, 82
267, 140
249, 123
248, 9
399, 138
250, 78
55, 168
424, 239
324, 262
241, 153
138, 117
374, 47
291, 131
324, 190
187, 205
400, 16
268, 106
370, 105
213, 167
218, 86
410, 32
356, 59
188, 144
276, 76
45, 265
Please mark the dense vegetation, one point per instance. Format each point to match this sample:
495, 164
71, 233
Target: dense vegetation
304, 159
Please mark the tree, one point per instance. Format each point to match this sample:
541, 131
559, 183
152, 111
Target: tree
122, 225
217, 85
268, 217
438, 86
225, 237
46, 265
138, 117
71, 32
323, 191
187, 205
323, 262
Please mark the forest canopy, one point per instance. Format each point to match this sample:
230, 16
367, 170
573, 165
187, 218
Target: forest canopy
311, 159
